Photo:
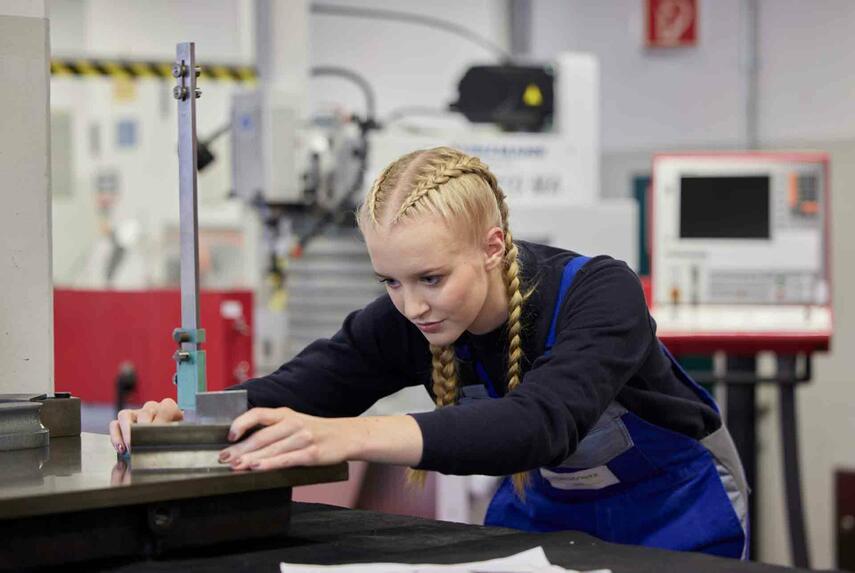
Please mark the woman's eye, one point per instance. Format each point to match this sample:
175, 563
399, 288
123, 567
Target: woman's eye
432, 280
388, 282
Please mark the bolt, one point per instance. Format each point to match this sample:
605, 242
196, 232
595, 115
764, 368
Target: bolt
181, 356
179, 93
178, 70
198, 71
198, 93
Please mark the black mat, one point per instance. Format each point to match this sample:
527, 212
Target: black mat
328, 535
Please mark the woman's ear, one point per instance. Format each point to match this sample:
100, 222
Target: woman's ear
494, 248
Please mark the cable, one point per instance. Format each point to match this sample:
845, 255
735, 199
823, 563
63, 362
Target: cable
429, 21
364, 85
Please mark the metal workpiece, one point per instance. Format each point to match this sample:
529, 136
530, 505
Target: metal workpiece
59, 413
190, 359
188, 446
220, 407
178, 447
20, 426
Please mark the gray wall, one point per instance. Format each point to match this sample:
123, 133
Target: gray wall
26, 309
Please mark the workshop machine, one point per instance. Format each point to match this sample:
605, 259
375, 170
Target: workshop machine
740, 264
739, 248
66, 496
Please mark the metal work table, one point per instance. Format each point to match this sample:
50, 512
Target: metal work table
75, 499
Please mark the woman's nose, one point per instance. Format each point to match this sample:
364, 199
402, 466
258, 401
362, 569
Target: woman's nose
414, 307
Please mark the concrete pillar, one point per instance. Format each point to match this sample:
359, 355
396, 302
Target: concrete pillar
26, 292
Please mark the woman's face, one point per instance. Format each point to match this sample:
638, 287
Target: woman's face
438, 279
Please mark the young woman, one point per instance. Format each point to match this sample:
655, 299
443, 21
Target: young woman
543, 363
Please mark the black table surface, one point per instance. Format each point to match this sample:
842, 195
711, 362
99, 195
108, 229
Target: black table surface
323, 534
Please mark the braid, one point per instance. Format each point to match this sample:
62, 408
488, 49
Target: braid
374, 195
515, 302
441, 171
444, 375
444, 388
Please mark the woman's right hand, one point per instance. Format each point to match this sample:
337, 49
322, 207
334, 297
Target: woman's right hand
152, 412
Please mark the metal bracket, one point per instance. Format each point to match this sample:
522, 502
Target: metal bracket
190, 365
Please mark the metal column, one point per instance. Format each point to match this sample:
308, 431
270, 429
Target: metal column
190, 360
742, 423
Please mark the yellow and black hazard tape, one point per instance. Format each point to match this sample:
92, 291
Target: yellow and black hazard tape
138, 69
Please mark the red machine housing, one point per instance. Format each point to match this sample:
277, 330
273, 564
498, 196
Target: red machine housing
96, 331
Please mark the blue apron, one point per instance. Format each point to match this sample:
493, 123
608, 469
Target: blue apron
630, 481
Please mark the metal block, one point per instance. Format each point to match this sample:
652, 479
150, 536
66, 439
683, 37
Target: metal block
20, 426
178, 447
184, 446
220, 407
60, 414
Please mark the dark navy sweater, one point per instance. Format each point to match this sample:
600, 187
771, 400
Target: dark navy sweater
606, 349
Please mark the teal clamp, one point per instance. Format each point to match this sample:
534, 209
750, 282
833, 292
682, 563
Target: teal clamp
190, 366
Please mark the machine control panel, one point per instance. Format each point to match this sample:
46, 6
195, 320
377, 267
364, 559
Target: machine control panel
739, 242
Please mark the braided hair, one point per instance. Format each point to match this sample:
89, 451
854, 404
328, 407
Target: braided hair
450, 183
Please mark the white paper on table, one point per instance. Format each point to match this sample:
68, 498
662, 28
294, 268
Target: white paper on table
530, 561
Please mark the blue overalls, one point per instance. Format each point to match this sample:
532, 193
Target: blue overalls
630, 481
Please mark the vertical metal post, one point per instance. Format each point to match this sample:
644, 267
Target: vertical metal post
190, 374
742, 424
791, 465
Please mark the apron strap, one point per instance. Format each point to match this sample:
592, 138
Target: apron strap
570, 270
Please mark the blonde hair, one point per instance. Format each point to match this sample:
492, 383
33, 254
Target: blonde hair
460, 189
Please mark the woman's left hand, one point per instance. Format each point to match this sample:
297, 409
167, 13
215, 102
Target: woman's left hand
287, 439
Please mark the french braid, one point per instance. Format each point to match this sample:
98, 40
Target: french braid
425, 173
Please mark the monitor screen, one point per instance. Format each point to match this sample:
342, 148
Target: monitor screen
724, 207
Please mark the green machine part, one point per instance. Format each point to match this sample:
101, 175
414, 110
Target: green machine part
190, 369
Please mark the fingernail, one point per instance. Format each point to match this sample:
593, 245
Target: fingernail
232, 436
224, 457
255, 465
120, 448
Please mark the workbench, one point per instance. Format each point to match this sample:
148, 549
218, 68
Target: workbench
316, 534
76, 500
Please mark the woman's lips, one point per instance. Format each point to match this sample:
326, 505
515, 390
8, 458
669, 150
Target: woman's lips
429, 326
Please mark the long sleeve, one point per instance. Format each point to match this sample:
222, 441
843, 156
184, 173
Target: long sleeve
604, 336
373, 355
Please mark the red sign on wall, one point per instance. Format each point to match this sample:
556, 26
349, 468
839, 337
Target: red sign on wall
671, 23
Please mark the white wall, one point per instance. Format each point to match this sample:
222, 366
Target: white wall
222, 29
806, 79
408, 65
662, 99
26, 297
